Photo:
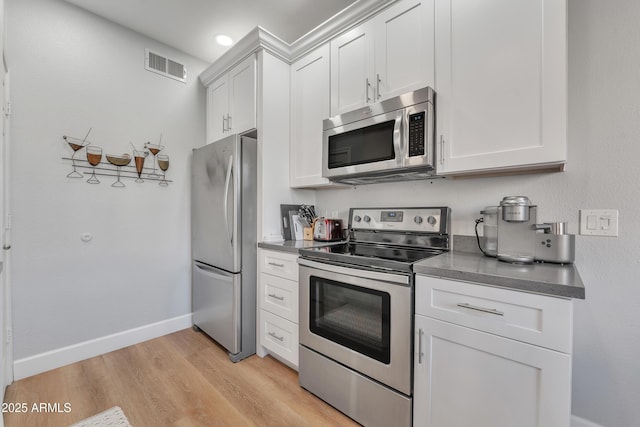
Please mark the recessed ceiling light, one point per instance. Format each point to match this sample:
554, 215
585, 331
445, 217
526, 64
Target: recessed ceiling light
224, 40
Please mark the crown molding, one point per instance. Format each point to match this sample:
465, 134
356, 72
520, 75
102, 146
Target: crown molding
260, 38
344, 20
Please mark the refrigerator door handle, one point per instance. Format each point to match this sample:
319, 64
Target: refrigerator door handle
226, 198
205, 267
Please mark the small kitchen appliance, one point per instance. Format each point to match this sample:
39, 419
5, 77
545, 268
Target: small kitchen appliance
356, 312
554, 244
516, 229
327, 230
391, 140
511, 233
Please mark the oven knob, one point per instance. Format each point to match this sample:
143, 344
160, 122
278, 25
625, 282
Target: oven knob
418, 219
432, 220
367, 218
357, 218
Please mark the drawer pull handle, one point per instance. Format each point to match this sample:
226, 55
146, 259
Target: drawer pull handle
273, 334
482, 309
275, 264
276, 297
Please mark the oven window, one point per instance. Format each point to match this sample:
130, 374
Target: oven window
352, 316
367, 145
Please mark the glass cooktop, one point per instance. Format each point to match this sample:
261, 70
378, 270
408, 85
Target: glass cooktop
371, 255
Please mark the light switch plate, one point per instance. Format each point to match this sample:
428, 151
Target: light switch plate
599, 222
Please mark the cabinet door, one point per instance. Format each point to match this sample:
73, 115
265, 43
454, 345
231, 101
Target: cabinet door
352, 65
242, 96
217, 109
309, 107
464, 377
501, 84
404, 48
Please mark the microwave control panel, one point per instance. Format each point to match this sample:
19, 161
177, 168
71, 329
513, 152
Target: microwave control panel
416, 134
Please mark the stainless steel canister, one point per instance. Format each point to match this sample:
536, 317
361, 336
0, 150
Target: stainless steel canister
515, 208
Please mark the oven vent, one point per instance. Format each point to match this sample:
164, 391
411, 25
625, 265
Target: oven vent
165, 66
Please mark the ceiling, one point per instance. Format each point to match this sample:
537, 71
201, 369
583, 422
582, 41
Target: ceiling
191, 25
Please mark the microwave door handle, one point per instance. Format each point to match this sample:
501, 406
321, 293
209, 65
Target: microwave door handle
399, 136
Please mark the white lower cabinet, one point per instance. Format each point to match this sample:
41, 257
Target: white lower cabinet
279, 337
466, 376
278, 306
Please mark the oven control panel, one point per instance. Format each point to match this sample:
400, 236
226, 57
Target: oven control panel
425, 220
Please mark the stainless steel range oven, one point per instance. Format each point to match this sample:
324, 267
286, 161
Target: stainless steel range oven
356, 312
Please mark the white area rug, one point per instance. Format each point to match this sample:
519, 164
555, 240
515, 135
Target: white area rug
113, 417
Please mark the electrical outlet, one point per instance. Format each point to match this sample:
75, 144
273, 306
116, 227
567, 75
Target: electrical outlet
599, 222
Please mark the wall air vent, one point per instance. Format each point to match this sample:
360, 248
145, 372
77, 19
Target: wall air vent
164, 66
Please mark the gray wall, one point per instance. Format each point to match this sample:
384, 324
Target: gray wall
602, 172
72, 70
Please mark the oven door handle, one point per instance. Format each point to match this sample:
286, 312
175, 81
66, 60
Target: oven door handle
357, 272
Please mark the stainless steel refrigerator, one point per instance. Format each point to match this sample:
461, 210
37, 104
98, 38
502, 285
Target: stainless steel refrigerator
223, 243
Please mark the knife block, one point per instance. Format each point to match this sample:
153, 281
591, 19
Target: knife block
307, 233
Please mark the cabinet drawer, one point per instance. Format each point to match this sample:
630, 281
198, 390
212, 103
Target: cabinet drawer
535, 319
279, 336
279, 296
279, 264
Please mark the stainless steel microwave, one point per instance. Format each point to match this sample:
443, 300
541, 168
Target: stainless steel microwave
388, 141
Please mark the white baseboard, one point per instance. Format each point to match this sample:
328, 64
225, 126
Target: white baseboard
42, 362
580, 422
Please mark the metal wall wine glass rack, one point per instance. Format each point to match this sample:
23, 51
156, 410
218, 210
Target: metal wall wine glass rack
119, 166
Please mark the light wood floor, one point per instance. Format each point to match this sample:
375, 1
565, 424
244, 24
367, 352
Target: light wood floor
183, 379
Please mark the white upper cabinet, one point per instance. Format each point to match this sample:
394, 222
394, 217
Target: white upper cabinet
352, 68
309, 107
389, 55
501, 85
242, 96
217, 109
404, 54
231, 101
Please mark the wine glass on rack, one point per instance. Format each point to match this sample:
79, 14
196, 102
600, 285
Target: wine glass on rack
118, 162
163, 163
139, 157
154, 149
76, 145
94, 155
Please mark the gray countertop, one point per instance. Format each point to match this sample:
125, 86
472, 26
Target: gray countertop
293, 246
543, 278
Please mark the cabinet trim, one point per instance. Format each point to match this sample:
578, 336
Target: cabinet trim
260, 38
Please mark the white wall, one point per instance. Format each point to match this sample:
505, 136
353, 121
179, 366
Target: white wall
602, 172
72, 70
